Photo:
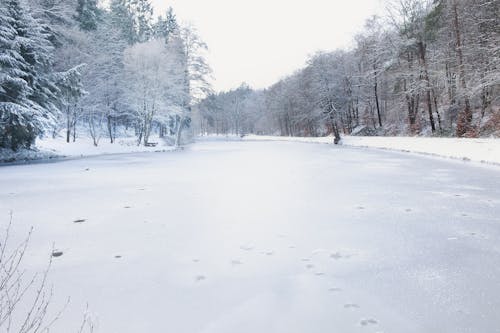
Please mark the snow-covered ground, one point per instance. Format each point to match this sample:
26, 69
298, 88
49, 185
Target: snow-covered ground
264, 237
85, 147
49, 148
478, 150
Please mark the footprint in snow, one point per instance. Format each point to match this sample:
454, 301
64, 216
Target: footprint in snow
79, 221
118, 257
127, 207
199, 278
366, 322
336, 256
351, 306
57, 253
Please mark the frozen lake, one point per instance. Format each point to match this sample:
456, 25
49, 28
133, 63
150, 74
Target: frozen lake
228, 237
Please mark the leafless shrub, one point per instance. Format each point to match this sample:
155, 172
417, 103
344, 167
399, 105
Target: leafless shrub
25, 299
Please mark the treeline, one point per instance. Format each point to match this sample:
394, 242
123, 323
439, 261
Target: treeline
97, 66
427, 67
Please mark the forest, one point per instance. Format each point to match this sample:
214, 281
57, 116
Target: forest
101, 66
99, 69
427, 67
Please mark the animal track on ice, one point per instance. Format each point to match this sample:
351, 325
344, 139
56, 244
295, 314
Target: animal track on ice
199, 278
336, 256
57, 253
366, 322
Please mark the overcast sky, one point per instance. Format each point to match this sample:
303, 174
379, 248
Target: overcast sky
260, 41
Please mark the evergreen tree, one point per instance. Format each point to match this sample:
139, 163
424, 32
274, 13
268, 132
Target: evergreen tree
87, 14
122, 17
143, 11
166, 27
27, 86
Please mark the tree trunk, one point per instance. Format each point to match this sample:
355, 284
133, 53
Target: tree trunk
375, 88
465, 118
422, 51
178, 134
110, 128
68, 125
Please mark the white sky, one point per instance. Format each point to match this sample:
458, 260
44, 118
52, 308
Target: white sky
260, 41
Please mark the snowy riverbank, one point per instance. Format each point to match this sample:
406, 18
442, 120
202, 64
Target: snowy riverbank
477, 150
49, 148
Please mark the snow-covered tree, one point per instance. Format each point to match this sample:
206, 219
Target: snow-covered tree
166, 27
87, 14
154, 85
123, 19
28, 90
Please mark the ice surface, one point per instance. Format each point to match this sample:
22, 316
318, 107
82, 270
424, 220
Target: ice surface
264, 237
485, 150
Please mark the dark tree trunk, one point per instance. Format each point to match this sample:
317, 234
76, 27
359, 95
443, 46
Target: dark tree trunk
375, 88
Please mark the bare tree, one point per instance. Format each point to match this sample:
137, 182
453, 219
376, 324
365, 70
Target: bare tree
25, 299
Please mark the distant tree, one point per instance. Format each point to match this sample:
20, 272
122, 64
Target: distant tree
167, 26
143, 12
123, 18
87, 14
70, 92
195, 74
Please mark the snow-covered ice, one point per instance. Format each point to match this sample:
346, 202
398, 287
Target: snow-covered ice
264, 237
485, 150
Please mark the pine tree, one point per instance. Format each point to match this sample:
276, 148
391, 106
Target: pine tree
87, 14
122, 17
27, 87
166, 27
144, 17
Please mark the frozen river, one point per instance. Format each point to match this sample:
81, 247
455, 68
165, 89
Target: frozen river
228, 237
